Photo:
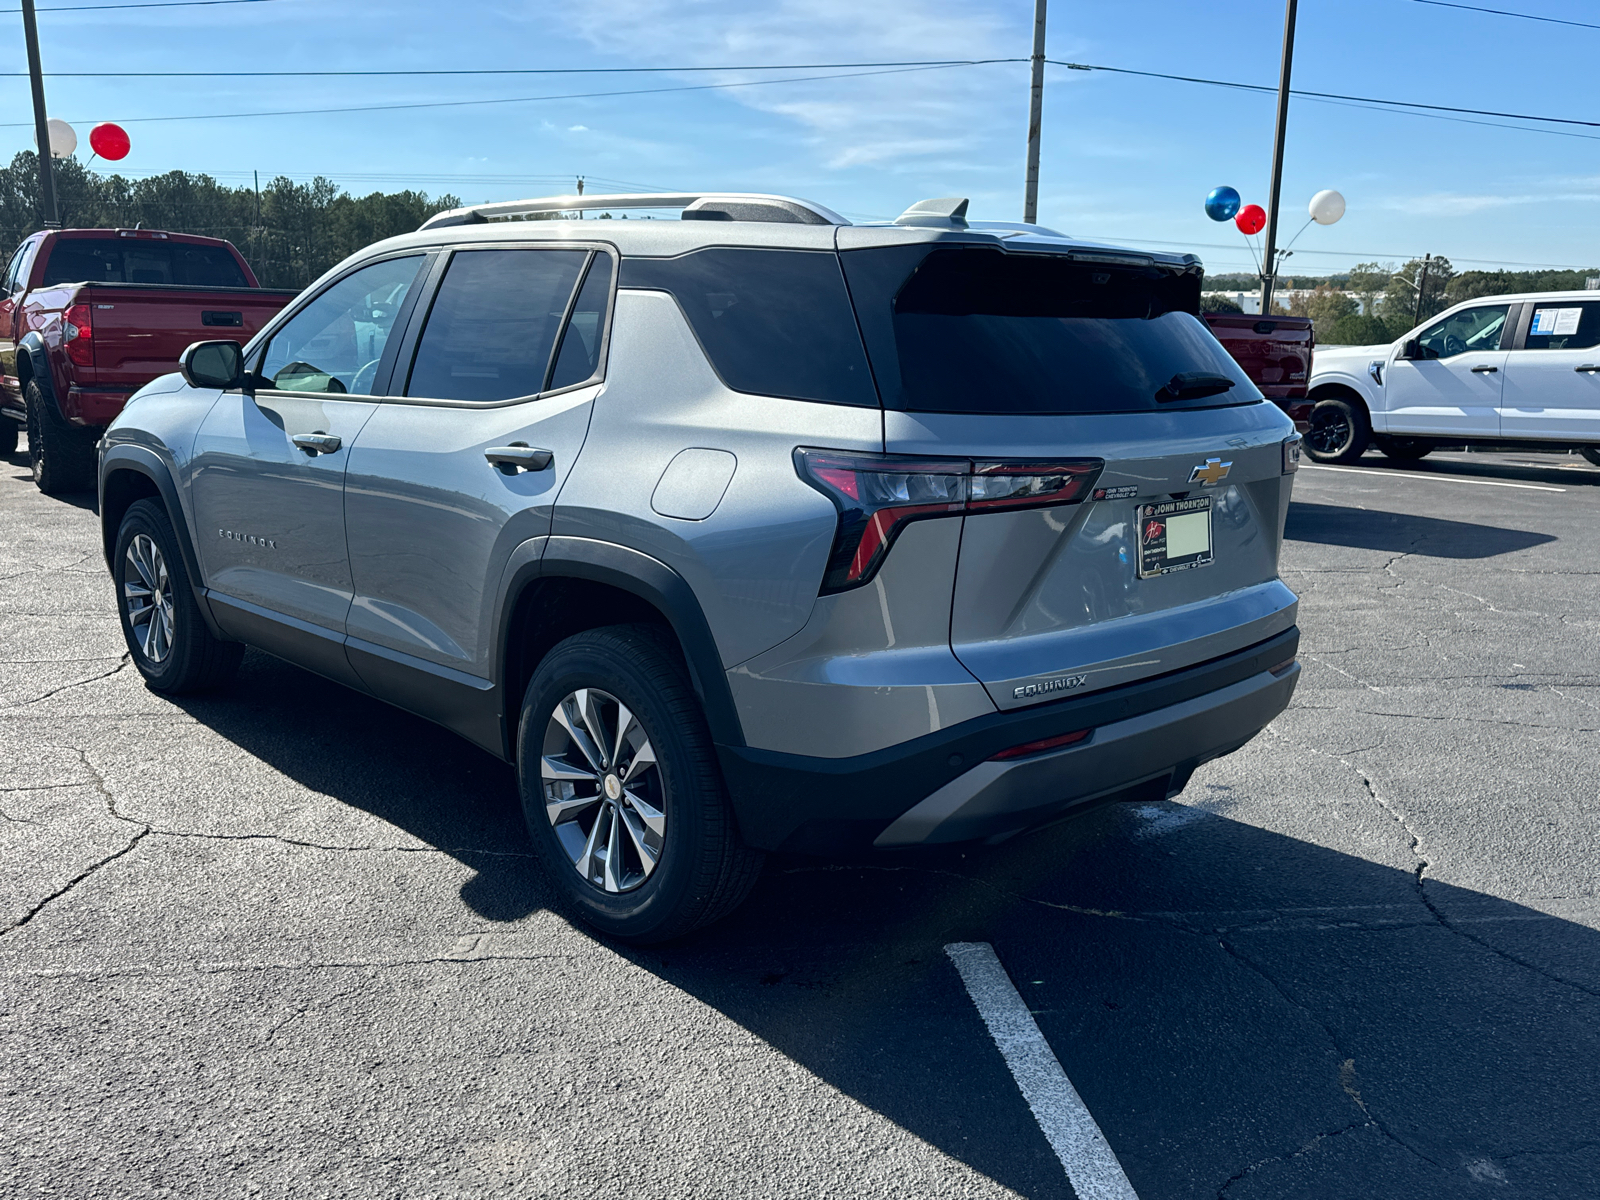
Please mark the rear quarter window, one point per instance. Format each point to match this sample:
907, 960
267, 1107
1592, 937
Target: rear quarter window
772, 322
138, 260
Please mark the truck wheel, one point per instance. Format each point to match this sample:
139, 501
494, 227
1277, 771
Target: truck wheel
62, 455
1592, 453
161, 620
8, 437
1402, 449
1339, 432
621, 789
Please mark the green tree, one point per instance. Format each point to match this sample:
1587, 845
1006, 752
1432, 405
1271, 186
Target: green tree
1218, 304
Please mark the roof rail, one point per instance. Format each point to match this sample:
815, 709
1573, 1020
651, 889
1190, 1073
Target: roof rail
716, 206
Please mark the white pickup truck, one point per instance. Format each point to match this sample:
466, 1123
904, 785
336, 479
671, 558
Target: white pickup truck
1501, 370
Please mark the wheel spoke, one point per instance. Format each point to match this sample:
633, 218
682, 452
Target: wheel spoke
585, 861
648, 814
643, 759
625, 725
163, 623
139, 609
613, 877
553, 770
647, 855
569, 721
589, 713
150, 636
570, 809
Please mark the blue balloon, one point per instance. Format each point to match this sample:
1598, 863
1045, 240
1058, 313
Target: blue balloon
1222, 204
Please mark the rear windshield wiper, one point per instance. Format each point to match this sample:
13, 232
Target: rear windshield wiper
1191, 385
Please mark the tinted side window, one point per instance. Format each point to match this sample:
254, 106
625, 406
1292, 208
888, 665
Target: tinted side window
1470, 329
14, 269
334, 344
1563, 325
773, 322
493, 324
579, 357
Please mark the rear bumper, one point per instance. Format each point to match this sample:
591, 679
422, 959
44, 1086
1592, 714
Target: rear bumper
1148, 737
99, 408
1299, 410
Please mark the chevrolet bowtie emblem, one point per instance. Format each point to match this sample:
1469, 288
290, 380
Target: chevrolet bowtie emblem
1213, 470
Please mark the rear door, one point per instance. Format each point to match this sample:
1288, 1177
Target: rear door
1455, 387
506, 355
1552, 388
269, 468
1172, 559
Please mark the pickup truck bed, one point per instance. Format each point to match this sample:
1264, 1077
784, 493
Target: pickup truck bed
74, 349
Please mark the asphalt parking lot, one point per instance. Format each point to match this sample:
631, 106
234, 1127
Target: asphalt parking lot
287, 941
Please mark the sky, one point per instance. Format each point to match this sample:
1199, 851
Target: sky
1125, 159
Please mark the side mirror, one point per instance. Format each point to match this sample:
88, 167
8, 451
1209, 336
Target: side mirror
213, 365
1411, 349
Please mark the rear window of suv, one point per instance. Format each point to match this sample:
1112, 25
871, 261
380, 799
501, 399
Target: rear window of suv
772, 322
141, 260
985, 331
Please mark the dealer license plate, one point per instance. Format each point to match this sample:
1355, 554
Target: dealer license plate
1174, 536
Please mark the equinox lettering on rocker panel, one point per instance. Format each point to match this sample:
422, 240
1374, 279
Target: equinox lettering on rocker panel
1064, 684
250, 538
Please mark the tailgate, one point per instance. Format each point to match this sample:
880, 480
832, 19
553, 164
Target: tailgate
140, 332
1274, 352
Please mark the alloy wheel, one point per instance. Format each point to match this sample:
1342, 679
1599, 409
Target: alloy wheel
603, 790
147, 598
1330, 432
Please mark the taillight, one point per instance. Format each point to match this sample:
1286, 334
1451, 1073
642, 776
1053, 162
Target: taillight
1043, 744
1291, 454
78, 335
878, 494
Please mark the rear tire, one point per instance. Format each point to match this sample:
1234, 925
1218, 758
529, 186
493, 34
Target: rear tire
161, 622
1401, 449
642, 844
1339, 431
8, 437
62, 455
1592, 453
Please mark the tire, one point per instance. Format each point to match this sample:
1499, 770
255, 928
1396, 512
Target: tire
675, 808
1339, 431
169, 641
1402, 449
8, 437
62, 455
1592, 453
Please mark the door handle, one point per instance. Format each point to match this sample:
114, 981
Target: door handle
518, 456
317, 443
1587, 369
1484, 370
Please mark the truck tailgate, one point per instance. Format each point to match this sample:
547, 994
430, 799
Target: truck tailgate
139, 331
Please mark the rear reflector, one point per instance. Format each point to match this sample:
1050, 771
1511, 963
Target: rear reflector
878, 494
1283, 667
1043, 744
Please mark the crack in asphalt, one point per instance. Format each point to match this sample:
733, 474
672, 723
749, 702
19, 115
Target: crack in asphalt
1300, 1153
1438, 717
126, 659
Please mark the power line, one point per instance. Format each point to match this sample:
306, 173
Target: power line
1258, 87
306, 112
1500, 12
148, 4
931, 62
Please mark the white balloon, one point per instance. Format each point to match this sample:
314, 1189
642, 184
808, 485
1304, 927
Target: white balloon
1327, 207
63, 141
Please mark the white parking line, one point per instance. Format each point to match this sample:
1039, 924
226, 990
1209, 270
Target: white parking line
1071, 1131
1530, 487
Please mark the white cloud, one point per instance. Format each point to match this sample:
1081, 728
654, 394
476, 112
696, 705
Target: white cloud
1457, 204
577, 129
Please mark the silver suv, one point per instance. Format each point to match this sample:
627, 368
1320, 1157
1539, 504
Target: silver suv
754, 530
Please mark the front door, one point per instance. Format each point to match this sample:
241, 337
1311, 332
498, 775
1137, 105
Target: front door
1552, 388
505, 356
269, 469
1454, 388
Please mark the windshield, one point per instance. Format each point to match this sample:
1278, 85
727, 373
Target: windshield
130, 260
980, 330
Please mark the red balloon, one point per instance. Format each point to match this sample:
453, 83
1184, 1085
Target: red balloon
109, 141
1252, 218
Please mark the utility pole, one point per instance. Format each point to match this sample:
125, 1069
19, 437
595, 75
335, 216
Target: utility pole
1269, 264
1030, 190
1422, 286
41, 120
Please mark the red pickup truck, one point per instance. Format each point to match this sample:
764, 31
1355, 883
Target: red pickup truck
89, 316
1275, 352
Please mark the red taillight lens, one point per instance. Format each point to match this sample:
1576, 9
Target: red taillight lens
877, 494
1043, 744
78, 335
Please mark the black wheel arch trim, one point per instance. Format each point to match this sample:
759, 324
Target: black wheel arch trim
652, 581
38, 355
143, 461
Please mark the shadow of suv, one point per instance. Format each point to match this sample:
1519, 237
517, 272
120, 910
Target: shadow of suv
748, 531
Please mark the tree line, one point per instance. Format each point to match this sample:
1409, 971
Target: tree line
1377, 302
288, 232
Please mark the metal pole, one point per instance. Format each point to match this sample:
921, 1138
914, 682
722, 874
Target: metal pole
1030, 191
1422, 286
1269, 264
41, 122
